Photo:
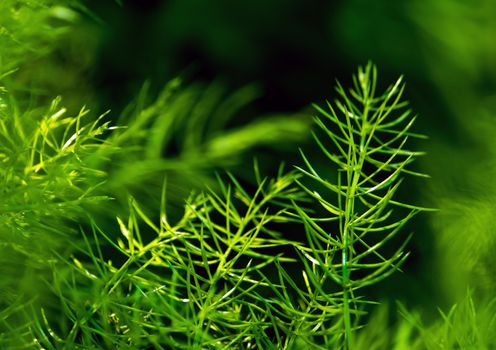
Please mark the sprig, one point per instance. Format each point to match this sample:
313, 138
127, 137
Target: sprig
193, 284
364, 136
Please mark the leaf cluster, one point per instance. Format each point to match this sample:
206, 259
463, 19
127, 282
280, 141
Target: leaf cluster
47, 184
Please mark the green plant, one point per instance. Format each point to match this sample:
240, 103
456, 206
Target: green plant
123, 237
468, 324
47, 186
466, 260
224, 275
368, 135
184, 134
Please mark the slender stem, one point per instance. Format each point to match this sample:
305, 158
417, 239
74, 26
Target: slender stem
355, 165
346, 257
346, 280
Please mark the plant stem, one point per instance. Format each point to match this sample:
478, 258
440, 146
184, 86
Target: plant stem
356, 159
346, 272
346, 306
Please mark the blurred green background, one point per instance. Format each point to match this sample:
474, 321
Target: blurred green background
289, 53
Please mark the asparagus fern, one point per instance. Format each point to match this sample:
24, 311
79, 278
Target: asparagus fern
367, 135
225, 275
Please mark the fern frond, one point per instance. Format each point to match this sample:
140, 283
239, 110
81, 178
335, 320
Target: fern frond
365, 135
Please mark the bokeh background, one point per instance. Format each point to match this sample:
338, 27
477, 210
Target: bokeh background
279, 57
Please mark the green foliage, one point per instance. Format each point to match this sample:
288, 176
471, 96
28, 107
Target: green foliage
47, 182
26, 32
50, 47
467, 325
223, 275
469, 163
120, 237
371, 132
45, 170
184, 133
186, 285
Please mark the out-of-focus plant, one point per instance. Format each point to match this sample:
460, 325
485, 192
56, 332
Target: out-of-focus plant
185, 134
468, 324
460, 36
50, 47
26, 32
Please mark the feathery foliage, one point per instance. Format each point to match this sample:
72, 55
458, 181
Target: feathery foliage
120, 237
468, 324
224, 275
47, 183
367, 134
184, 134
